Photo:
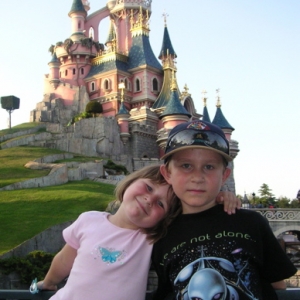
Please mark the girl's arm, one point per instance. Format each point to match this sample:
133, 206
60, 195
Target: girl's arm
60, 268
279, 285
230, 201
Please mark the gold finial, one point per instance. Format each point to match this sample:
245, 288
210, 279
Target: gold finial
173, 84
204, 92
165, 15
218, 98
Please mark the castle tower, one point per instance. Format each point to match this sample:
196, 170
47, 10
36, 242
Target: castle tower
54, 65
78, 15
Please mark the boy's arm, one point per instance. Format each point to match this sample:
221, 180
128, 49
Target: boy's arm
279, 285
230, 201
60, 268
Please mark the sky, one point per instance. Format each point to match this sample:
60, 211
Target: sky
248, 49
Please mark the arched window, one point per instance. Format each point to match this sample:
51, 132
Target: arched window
66, 72
82, 71
137, 85
155, 85
91, 33
106, 84
92, 86
74, 71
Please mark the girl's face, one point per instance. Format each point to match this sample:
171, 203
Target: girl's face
144, 204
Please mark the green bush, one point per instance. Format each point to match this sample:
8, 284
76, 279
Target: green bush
34, 265
94, 107
119, 168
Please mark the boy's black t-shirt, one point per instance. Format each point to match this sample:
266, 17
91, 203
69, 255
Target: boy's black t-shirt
213, 255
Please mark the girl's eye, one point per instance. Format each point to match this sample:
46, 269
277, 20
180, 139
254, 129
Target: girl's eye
149, 188
160, 203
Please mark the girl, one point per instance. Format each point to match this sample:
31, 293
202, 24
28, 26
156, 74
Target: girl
108, 256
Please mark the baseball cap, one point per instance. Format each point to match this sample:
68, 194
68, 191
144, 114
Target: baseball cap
197, 134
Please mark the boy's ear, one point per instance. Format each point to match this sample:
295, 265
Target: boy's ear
165, 173
226, 174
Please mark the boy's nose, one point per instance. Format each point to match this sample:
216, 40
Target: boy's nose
197, 176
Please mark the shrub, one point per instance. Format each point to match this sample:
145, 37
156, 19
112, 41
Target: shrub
119, 168
10, 102
94, 107
34, 265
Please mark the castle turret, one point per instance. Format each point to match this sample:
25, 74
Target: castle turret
123, 117
54, 65
78, 15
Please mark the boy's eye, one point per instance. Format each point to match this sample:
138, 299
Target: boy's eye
185, 166
209, 167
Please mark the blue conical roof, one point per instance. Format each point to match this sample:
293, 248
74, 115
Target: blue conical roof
205, 116
167, 47
54, 58
77, 6
220, 120
174, 106
123, 110
111, 33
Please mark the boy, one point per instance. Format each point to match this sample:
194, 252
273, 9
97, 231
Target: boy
206, 253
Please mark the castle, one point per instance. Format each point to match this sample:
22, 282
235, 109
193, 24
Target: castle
136, 89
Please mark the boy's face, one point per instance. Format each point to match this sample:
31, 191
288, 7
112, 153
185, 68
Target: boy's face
196, 176
144, 203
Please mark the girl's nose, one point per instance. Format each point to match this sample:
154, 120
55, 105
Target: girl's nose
148, 200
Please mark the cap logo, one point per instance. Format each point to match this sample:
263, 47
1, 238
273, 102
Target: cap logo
198, 126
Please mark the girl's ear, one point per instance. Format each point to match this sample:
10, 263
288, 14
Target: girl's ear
165, 173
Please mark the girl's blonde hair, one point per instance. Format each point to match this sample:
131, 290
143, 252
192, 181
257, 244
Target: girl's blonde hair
152, 172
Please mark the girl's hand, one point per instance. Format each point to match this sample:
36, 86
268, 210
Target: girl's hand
42, 285
230, 201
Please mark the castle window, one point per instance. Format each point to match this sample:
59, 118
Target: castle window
82, 71
126, 83
137, 85
155, 85
92, 86
66, 72
59, 74
91, 33
79, 25
106, 84
74, 71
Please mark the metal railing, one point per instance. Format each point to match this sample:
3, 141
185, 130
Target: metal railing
279, 214
290, 294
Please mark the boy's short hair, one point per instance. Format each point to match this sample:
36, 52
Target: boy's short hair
197, 134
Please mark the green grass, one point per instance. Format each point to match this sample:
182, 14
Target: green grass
25, 213
12, 163
20, 127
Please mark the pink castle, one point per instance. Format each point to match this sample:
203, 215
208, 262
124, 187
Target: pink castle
134, 86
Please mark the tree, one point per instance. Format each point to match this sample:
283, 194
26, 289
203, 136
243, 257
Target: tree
283, 202
10, 103
94, 107
267, 197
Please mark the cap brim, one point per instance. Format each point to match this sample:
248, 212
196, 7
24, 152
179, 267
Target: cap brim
226, 156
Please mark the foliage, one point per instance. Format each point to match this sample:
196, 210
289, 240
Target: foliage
78, 117
10, 102
94, 107
118, 168
68, 44
51, 49
34, 264
265, 191
89, 43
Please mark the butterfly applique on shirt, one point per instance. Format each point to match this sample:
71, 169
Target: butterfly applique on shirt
109, 256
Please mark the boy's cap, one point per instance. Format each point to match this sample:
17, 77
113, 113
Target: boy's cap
197, 134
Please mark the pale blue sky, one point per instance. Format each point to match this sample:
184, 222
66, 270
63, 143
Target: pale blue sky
249, 49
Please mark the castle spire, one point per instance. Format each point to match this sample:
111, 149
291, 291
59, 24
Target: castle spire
219, 118
205, 111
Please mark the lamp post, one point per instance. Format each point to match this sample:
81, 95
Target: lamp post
122, 88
